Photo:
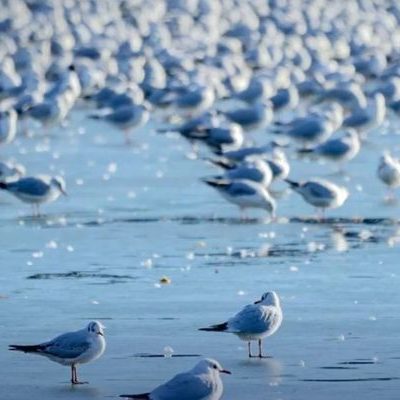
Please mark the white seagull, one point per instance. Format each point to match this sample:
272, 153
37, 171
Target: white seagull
72, 348
320, 193
338, 150
254, 322
10, 171
36, 190
244, 193
389, 171
8, 125
203, 382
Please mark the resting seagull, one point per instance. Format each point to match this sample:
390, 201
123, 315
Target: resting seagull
255, 322
72, 348
203, 382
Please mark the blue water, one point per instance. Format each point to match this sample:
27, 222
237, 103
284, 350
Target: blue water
137, 214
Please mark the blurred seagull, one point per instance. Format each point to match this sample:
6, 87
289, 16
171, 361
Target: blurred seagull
244, 193
203, 382
8, 125
72, 348
314, 128
339, 150
256, 170
10, 171
36, 190
366, 118
389, 172
254, 322
126, 118
253, 117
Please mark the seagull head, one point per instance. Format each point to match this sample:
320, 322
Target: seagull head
209, 366
95, 328
269, 299
59, 183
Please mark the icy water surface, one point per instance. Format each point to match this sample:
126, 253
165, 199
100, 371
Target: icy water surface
137, 214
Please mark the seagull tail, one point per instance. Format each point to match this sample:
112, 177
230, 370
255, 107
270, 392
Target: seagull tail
143, 396
216, 182
94, 116
3, 185
222, 163
292, 184
216, 328
26, 349
305, 151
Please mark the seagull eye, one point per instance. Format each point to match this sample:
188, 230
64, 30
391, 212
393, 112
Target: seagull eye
215, 367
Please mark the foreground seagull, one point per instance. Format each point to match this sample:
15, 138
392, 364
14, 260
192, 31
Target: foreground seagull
244, 193
320, 193
255, 321
203, 382
72, 348
36, 190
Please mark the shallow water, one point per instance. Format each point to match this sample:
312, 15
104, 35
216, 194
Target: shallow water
135, 214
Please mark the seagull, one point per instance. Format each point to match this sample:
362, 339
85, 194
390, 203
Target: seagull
339, 150
389, 171
72, 348
11, 171
8, 125
253, 117
254, 322
256, 170
320, 193
203, 382
36, 189
244, 193
371, 116
126, 118
314, 128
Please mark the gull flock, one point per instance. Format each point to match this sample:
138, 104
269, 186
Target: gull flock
253, 84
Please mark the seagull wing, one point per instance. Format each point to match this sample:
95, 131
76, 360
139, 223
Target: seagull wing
33, 186
184, 386
254, 319
319, 191
68, 345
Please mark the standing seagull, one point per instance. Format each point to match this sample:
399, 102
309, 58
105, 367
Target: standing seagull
389, 172
244, 193
320, 193
203, 382
36, 190
255, 321
72, 348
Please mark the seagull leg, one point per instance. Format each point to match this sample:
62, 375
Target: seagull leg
260, 352
249, 348
74, 379
128, 140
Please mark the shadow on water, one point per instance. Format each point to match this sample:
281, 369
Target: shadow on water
78, 275
378, 379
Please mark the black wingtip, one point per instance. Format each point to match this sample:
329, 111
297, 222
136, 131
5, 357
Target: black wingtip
216, 328
292, 184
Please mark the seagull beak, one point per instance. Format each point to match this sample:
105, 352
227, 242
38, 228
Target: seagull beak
64, 192
100, 333
257, 302
225, 371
